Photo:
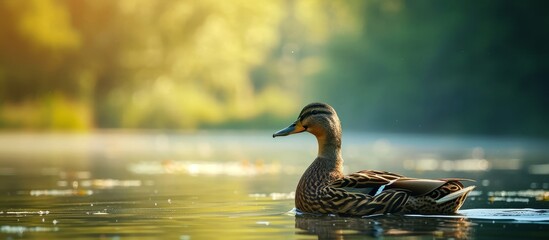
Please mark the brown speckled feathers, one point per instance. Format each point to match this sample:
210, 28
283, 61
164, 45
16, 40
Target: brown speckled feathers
324, 189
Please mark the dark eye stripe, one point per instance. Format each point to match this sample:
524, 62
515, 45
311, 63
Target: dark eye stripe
314, 106
313, 112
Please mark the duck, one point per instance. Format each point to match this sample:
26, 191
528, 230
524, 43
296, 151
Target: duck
324, 189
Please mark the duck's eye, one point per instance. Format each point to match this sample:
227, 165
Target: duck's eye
313, 112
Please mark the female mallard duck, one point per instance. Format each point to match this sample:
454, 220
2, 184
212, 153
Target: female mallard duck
324, 189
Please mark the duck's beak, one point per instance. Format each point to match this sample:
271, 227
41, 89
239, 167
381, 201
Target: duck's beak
293, 128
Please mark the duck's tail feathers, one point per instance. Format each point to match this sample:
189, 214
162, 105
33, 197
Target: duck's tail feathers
455, 195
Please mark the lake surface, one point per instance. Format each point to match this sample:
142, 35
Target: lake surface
239, 185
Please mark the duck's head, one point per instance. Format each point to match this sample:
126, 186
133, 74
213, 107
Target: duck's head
320, 119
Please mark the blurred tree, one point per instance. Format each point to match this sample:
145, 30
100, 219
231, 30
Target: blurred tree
36, 41
138, 63
29, 32
180, 64
417, 66
159, 64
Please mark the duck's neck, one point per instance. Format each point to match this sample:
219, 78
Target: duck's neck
329, 162
329, 146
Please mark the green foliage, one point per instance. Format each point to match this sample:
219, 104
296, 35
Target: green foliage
51, 112
476, 67
473, 67
158, 64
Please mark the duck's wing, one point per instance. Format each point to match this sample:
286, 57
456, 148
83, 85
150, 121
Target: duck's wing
362, 193
373, 182
366, 182
374, 192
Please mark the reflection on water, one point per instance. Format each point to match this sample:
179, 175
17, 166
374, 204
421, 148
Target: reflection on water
379, 226
474, 223
240, 185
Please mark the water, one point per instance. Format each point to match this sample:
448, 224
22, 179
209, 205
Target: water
239, 185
